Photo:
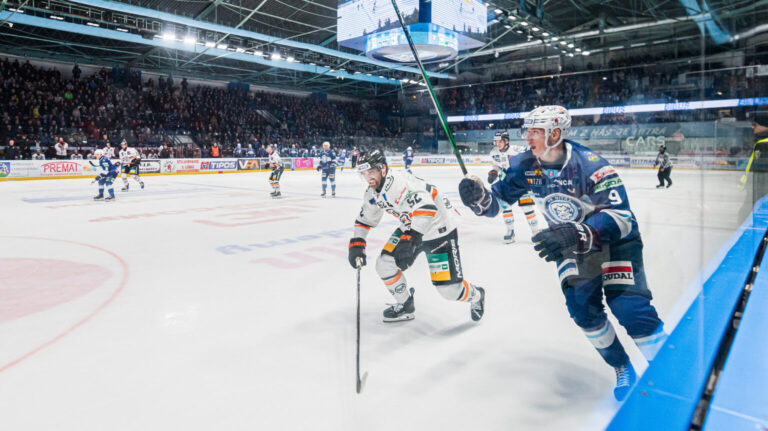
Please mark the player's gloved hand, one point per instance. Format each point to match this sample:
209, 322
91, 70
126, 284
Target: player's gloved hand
492, 175
474, 195
357, 250
318, 169
407, 248
561, 240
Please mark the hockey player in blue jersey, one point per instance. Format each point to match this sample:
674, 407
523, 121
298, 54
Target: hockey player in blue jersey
341, 159
327, 167
592, 236
107, 175
408, 158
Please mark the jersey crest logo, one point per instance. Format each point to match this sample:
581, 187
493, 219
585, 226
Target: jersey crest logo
562, 208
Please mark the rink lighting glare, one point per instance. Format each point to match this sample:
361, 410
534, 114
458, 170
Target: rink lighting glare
222, 46
92, 24
58, 18
240, 50
275, 56
189, 40
578, 49
570, 45
498, 11
512, 18
693, 105
605, 78
258, 53
585, 53
545, 34
562, 42
535, 28
209, 44
15, 10
124, 30
570, 54
507, 26
524, 23
519, 31
169, 36
290, 59
555, 38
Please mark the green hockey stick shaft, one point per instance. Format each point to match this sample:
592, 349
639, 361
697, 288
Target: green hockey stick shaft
432, 94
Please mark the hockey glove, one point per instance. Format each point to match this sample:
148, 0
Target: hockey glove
474, 195
562, 240
492, 176
407, 249
357, 250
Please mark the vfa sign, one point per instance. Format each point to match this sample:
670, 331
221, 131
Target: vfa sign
645, 142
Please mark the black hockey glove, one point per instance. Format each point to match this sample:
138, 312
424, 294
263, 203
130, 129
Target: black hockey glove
492, 176
407, 249
474, 195
562, 240
357, 250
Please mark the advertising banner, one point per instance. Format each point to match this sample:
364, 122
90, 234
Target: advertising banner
247, 165
303, 163
149, 166
218, 165
65, 168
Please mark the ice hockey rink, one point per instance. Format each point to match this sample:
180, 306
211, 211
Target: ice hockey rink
200, 303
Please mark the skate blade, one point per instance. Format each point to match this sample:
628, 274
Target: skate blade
509, 241
402, 318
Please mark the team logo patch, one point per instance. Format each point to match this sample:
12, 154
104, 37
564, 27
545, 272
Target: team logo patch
608, 184
592, 157
602, 173
563, 208
5, 169
618, 272
439, 269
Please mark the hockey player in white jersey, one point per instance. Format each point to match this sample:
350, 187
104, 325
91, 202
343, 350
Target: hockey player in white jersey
425, 226
276, 165
130, 161
500, 155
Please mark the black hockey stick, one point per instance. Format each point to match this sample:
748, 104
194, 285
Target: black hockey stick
359, 382
432, 94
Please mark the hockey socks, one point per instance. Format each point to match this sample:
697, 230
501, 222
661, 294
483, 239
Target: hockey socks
607, 344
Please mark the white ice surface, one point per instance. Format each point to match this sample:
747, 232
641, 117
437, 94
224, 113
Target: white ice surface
220, 308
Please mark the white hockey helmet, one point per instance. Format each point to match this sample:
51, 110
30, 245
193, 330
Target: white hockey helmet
98, 153
326, 145
549, 118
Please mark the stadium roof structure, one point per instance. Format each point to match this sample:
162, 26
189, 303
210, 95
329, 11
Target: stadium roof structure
291, 44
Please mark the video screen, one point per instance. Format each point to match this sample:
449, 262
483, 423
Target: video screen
468, 17
358, 18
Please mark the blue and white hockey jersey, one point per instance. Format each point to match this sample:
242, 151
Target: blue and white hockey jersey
408, 156
106, 167
327, 160
585, 189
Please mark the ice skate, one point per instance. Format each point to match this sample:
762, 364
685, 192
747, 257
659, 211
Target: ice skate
109, 198
125, 188
509, 238
660, 186
625, 379
323, 194
276, 195
141, 183
98, 197
333, 194
478, 307
398, 312
669, 185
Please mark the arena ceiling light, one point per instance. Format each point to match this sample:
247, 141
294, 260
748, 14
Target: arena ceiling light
58, 18
190, 40
259, 53
545, 34
276, 56
92, 24
536, 29
169, 36
524, 23
585, 53
222, 46
210, 44
498, 11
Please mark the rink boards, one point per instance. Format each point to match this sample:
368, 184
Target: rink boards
59, 169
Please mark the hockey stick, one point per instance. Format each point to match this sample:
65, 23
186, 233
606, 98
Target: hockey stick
359, 382
432, 94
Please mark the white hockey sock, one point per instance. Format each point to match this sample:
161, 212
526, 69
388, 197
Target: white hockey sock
651, 344
397, 286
